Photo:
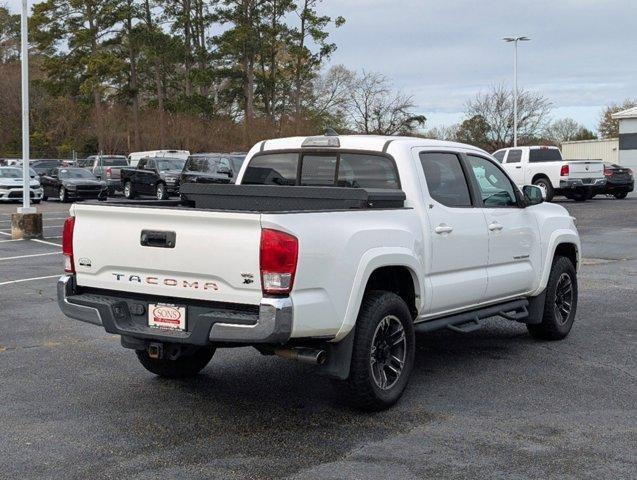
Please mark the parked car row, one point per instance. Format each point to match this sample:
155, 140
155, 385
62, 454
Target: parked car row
157, 173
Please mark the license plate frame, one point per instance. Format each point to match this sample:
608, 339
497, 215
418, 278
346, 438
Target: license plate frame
167, 316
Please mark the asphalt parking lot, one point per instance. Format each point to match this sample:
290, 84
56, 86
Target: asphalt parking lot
489, 404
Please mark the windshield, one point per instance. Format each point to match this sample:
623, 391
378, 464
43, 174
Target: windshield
69, 173
10, 173
170, 164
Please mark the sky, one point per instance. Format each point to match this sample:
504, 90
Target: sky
582, 54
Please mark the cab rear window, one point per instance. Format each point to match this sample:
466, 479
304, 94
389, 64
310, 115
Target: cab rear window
544, 155
342, 169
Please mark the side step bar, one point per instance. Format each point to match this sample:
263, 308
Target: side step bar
470, 321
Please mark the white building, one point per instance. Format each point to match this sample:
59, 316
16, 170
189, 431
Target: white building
606, 149
627, 137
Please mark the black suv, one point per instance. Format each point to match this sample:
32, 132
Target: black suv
212, 168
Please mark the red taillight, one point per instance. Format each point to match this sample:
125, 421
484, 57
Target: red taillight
109, 172
608, 172
67, 245
278, 256
564, 171
630, 172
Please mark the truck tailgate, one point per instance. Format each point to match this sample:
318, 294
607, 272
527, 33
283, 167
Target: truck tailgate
214, 256
585, 169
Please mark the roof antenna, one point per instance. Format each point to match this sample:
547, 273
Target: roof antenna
330, 132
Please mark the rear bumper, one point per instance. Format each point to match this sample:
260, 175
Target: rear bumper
126, 314
616, 187
571, 183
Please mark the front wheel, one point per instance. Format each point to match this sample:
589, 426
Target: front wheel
160, 192
560, 305
620, 195
129, 192
383, 352
183, 367
63, 195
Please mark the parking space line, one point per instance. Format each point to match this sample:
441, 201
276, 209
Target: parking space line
31, 255
12, 240
43, 218
28, 279
45, 242
7, 234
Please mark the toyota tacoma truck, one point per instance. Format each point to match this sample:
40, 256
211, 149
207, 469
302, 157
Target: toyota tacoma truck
330, 250
543, 166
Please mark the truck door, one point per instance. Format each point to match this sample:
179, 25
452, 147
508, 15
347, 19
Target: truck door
456, 231
514, 243
513, 166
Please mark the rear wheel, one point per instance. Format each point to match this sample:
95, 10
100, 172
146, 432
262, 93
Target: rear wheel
129, 192
183, 367
383, 353
560, 305
546, 185
620, 195
160, 191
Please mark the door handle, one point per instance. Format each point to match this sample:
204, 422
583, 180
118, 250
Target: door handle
443, 228
518, 167
495, 226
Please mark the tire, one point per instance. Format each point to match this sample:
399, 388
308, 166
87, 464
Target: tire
35, 202
44, 198
620, 195
129, 190
383, 316
63, 195
556, 324
161, 193
545, 183
182, 367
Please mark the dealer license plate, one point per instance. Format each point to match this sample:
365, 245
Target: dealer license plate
166, 316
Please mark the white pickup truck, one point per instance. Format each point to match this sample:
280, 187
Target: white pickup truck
330, 250
543, 166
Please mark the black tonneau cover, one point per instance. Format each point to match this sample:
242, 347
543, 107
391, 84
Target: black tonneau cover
274, 198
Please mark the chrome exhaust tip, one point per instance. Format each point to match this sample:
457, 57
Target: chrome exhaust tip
310, 356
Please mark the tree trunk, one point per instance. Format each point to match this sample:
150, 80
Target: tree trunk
97, 97
158, 83
133, 78
299, 62
188, 45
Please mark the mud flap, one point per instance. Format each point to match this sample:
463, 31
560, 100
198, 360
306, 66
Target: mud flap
339, 358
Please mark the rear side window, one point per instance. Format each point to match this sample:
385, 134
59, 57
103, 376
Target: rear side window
445, 179
272, 169
515, 156
499, 156
544, 155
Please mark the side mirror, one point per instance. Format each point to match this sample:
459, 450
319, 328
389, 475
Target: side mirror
533, 194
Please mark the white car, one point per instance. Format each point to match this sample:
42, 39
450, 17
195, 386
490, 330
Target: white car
11, 185
543, 166
329, 250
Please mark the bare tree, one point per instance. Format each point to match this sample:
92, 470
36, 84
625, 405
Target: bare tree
332, 95
495, 107
376, 109
443, 132
567, 129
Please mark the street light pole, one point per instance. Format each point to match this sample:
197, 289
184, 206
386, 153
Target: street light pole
26, 177
515, 41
